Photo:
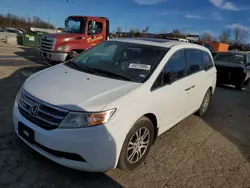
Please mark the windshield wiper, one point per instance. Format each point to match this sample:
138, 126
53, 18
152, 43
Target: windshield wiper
111, 74
82, 68
96, 71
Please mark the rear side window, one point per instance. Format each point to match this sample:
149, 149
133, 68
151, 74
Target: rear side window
194, 61
207, 61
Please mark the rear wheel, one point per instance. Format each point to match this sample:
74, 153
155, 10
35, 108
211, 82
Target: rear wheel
137, 144
205, 103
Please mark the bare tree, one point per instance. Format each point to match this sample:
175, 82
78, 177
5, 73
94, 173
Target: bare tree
225, 36
145, 31
240, 35
118, 29
176, 32
207, 36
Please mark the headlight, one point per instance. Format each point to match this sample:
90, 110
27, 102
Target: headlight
81, 120
19, 94
62, 48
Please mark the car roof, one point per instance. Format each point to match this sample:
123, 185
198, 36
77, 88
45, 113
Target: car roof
167, 43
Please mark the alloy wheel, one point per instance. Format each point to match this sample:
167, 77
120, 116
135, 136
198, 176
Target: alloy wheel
138, 145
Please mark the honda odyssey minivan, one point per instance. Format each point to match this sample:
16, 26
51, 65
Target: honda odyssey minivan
104, 108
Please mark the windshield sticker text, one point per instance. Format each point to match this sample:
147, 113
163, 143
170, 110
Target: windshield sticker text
139, 66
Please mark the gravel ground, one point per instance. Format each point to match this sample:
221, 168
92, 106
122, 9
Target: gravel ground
210, 152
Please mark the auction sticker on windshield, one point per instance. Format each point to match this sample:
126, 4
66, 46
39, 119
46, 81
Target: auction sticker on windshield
139, 66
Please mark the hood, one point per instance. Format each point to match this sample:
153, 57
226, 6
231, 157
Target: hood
64, 35
75, 90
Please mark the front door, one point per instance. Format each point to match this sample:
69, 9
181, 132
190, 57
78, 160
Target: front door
171, 98
98, 36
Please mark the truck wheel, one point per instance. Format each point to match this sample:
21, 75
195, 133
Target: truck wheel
72, 55
137, 144
52, 63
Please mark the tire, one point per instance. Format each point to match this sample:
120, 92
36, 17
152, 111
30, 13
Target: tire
52, 63
72, 55
206, 103
247, 82
130, 158
239, 86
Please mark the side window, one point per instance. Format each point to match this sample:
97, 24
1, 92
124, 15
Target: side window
98, 29
176, 66
207, 61
194, 61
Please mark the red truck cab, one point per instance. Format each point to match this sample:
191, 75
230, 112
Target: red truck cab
81, 33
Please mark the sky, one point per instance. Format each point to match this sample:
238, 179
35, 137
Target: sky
193, 16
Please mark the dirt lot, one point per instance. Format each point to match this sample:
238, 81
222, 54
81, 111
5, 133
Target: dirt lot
209, 152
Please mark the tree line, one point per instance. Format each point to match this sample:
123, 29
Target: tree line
237, 36
14, 21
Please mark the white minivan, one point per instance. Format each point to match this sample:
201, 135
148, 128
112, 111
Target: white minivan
105, 107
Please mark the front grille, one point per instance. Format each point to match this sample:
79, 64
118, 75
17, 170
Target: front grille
45, 116
47, 43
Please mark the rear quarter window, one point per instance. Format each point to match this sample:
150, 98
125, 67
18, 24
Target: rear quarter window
194, 61
207, 61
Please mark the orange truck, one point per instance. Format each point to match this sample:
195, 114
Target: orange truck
80, 33
219, 47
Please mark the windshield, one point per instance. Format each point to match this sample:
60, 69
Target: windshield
75, 25
121, 60
230, 58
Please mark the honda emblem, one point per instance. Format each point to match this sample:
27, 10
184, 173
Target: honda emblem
34, 109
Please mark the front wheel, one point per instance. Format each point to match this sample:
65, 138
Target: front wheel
239, 86
72, 55
137, 144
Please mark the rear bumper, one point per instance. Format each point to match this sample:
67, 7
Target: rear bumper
54, 56
230, 75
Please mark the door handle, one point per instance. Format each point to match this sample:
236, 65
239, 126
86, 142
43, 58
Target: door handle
187, 89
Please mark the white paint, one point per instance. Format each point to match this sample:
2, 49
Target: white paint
101, 145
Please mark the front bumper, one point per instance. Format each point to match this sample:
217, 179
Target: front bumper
95, 145
53, 56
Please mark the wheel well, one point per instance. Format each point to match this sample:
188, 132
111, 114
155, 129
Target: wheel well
77, 50
211, 88
153, 118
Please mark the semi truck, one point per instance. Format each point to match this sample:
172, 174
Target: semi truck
80, 34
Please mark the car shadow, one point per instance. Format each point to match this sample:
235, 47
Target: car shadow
230, 116
16, 155
31, 54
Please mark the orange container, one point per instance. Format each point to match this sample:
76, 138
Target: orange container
219, 47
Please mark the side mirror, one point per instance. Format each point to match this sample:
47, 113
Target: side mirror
169, 77
93, 27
